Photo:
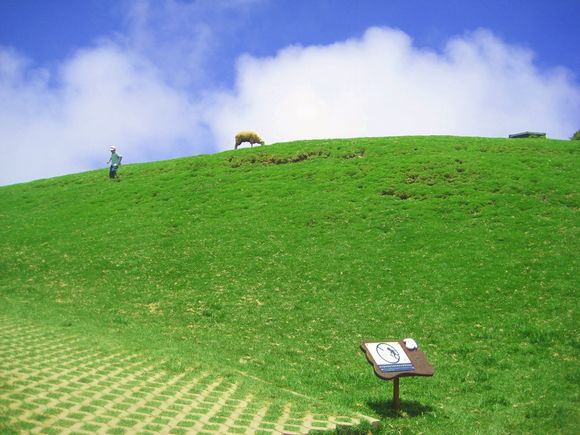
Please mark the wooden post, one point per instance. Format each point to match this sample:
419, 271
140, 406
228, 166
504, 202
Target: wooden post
396, 400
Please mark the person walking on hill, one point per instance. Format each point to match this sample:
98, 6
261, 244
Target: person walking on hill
114, 161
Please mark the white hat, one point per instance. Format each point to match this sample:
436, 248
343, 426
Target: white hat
113, 148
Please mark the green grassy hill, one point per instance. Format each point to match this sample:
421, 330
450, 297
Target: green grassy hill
277, 261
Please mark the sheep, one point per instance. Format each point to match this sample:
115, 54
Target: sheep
248, 136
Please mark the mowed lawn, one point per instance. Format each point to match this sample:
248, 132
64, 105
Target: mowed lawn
278, 261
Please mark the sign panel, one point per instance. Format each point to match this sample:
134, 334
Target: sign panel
389, 356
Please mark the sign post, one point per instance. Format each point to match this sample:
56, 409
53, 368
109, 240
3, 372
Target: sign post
396, 400
392, 360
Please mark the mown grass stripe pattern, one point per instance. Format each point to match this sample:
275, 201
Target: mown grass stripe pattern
53, 383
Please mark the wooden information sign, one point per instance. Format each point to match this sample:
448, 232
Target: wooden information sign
392, 360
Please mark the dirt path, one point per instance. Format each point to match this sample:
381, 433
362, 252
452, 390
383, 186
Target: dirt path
54, 383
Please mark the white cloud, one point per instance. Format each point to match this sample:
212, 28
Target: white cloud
184, 38
65, 122
137, 89
382, 85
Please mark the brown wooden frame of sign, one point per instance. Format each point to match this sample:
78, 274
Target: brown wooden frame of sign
418, 359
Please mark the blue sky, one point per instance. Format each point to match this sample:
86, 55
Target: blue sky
169, 78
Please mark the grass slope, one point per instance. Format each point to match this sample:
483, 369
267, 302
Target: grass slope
277, 261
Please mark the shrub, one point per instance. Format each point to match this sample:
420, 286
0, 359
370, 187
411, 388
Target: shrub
576, 136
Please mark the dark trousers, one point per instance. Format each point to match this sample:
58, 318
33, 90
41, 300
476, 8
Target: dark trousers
113, 171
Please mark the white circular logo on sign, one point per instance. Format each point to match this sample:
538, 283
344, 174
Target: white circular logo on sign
388, 353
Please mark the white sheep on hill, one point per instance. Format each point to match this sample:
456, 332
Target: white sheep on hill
248, 136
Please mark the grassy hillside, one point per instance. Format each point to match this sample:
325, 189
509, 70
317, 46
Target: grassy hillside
277, 261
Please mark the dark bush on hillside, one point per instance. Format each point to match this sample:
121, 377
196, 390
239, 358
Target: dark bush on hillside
576, 136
